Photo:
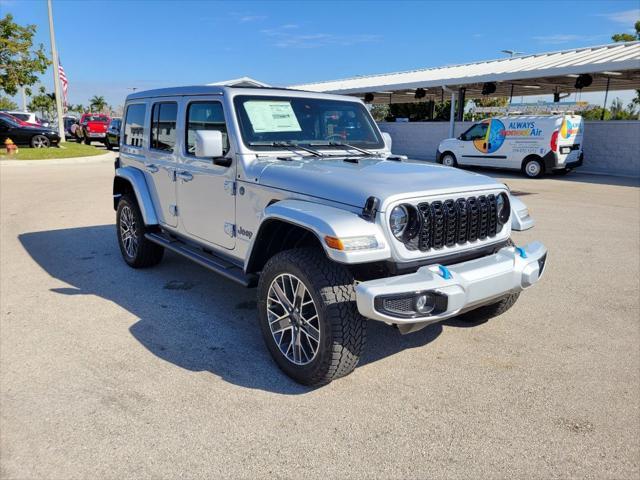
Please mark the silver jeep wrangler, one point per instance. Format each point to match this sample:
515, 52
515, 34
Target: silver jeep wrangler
298, 193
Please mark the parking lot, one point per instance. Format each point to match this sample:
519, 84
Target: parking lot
111, 372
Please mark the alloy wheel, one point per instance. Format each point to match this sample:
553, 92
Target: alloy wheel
128, 231
293, 319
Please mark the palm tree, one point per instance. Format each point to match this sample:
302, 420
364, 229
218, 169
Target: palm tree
98, 103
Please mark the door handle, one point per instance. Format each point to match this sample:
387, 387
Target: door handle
151, 167
184, 176
484, 145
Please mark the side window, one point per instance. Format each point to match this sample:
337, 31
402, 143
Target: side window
134, 125
477, 132
205, 116
163, 126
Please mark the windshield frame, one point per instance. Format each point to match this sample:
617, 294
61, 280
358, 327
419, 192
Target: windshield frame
249, 143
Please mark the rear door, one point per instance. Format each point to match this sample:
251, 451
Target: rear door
206, 193
161, 161
570, 139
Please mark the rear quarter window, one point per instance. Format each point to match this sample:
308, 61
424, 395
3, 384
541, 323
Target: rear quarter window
133, 132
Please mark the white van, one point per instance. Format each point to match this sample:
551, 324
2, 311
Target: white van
534, 144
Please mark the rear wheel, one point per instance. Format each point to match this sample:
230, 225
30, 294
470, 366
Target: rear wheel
308, 316
136, 250
87, 140
107, 144
40, 141
533, 168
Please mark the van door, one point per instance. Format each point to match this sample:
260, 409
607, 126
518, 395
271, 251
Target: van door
161, 159
206, 192
470, 145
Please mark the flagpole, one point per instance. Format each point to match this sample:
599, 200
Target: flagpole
56, 75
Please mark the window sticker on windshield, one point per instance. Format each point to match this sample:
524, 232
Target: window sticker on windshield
272, 116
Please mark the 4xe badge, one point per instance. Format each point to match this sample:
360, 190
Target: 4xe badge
245, 233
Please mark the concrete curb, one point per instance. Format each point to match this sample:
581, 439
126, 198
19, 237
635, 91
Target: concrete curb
109, 156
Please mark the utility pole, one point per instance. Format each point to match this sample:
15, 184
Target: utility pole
56, 75
24, 98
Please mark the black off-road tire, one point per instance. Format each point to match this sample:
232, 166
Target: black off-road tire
87, 140
147, 253
107, 144
487, 312
342, 328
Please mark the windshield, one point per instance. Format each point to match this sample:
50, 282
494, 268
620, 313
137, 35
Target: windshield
96, 118
305, 121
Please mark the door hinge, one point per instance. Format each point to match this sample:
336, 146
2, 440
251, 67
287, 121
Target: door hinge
174, 210
230, 187
230, 229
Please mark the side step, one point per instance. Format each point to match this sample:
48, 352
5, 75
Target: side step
210, 261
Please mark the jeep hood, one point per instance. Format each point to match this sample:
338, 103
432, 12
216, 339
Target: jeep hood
352, 183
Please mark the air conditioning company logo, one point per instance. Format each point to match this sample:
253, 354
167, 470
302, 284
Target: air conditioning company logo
493, 139
567, 128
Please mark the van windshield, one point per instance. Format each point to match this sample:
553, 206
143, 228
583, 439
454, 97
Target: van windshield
266, 122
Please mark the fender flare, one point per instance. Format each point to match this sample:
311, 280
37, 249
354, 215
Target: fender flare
139, 186
323, 220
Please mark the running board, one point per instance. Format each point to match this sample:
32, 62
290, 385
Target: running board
210, 261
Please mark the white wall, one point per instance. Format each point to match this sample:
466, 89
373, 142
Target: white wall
611, 147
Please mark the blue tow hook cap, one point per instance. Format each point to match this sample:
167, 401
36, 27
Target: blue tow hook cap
444, 272
521, 252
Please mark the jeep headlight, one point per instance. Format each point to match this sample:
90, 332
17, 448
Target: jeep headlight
398, 221
503, 208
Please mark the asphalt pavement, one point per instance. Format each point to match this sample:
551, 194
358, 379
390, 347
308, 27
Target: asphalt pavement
109, 372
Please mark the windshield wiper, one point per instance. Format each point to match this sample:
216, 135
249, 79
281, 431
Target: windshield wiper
346, 145
293, 147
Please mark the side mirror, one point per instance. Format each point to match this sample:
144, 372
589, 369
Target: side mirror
208, 143
388, 141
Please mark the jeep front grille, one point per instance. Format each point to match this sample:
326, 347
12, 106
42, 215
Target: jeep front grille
451, 222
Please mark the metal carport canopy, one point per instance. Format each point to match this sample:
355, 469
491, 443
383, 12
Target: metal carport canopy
542, 73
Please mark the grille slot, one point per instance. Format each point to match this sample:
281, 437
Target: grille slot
451, 222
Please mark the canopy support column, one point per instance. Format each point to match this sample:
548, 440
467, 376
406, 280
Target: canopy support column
452, 115
606, 94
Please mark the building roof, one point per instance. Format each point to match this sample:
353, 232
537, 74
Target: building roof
528, 74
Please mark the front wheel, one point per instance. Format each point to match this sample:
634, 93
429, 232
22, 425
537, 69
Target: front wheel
308, 316
136, 250
87, 140
448, 160
107, 144
40, 141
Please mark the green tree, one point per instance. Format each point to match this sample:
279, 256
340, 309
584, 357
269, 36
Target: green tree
97, 103
629, 37
43, 102
379, 111
20, 63
7, 104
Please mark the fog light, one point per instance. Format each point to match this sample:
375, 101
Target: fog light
424, 303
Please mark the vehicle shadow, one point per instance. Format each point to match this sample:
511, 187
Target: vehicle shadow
186, 315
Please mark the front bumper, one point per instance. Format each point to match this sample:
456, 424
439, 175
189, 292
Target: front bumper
458, 287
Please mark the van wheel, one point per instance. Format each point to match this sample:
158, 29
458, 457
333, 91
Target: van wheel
308, 316
136, 250
533, 168
449, 160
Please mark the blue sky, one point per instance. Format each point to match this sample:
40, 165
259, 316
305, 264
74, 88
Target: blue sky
107, 47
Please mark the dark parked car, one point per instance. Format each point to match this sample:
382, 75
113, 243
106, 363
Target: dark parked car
113, 133
37, 137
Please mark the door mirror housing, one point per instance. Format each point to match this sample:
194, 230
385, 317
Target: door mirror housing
387, 140
209, 143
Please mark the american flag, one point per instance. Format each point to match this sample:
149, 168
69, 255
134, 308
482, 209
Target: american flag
65, 85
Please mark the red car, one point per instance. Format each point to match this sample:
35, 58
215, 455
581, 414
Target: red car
22, 123
93, 128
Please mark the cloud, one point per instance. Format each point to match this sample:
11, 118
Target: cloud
560, 38
282, 37
251, 18
478, 35
625, 17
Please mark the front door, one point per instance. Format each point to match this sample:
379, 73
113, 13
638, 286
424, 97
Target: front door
161, 160
206, 193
